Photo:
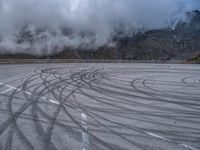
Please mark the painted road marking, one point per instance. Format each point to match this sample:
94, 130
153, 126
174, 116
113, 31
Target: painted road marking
158, 136
188, 147
10, 86
6, 90
85, 137
29, 93
168, 140
55, 102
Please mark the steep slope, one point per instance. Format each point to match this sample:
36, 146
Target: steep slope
181, 42
176, 43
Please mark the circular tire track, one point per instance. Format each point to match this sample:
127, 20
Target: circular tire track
136, 107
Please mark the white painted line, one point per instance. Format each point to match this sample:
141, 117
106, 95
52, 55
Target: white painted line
85, 136
188, 147
168, 140
6, 91
55, 102
84, 117
29, 93
158, 136
8, 85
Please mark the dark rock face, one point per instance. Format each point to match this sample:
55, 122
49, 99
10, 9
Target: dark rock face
165, 44
182, 42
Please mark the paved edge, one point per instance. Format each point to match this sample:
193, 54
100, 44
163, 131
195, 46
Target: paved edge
24, 61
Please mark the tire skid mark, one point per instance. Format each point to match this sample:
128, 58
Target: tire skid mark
114, 96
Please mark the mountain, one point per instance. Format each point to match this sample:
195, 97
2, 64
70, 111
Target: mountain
182, 42
166, 44
179, 43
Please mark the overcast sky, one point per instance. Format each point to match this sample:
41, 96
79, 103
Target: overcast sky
100, 17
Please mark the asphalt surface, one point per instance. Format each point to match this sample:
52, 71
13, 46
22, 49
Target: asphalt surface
100, 107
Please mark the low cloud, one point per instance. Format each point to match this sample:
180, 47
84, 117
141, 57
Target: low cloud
47, 26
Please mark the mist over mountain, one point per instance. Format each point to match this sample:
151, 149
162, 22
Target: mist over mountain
180, 42
45, 27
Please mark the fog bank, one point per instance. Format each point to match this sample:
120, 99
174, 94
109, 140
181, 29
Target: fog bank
47, 26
